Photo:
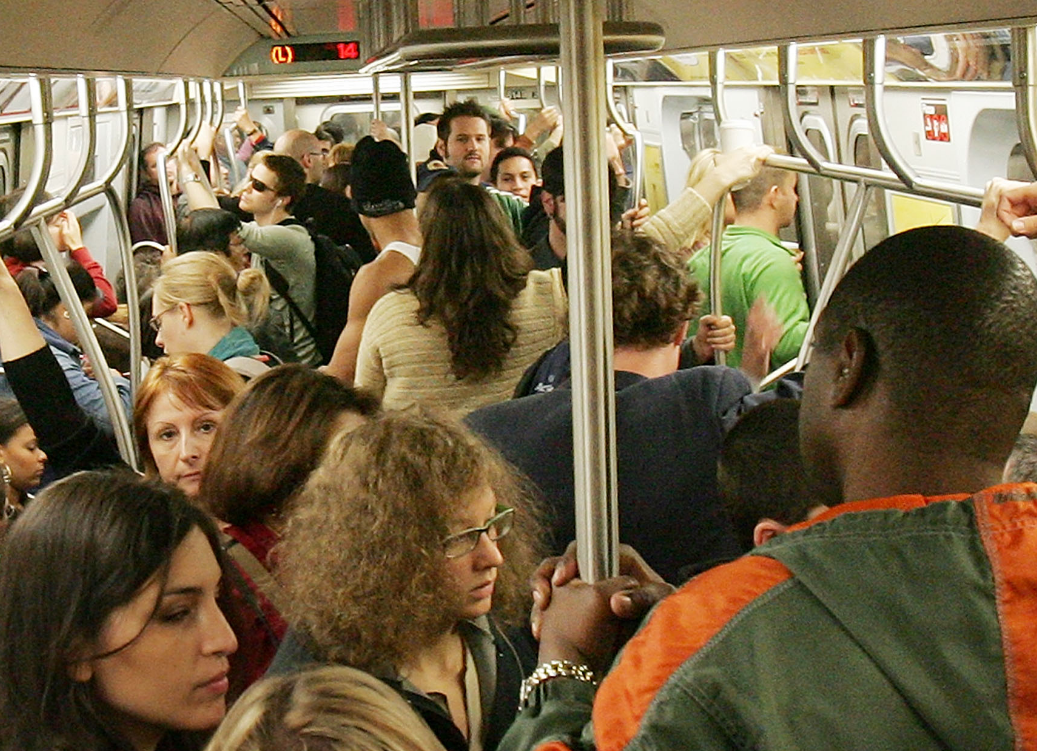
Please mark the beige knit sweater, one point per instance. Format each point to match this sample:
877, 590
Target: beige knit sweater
404, 363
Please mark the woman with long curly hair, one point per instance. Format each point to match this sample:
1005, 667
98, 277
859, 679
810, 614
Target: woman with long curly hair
472, 318
407, 536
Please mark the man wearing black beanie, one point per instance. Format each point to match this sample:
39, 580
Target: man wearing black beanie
383, 196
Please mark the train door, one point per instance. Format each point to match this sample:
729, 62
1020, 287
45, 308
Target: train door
875, 225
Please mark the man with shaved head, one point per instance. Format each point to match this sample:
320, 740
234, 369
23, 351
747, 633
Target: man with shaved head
320, 209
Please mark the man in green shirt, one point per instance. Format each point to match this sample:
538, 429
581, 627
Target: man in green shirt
755, 264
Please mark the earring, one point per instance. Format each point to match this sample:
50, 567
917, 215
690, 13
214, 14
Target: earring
5, 473
844, 372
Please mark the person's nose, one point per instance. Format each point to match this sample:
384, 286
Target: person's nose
190, 446
219, 638
487, 553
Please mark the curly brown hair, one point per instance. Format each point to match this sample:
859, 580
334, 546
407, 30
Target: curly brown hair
362, 558
471, 270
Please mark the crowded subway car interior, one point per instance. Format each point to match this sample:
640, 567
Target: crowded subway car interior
133, 128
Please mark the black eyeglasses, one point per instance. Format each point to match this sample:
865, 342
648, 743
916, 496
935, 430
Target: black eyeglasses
466, 541
259, 186
155, 322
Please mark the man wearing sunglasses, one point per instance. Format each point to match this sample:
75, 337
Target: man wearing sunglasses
279, 246
324, 211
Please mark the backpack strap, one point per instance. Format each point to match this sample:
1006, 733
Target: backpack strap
280, 285
247, 367
255, 570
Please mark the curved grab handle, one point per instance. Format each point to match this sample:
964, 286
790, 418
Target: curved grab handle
42, 106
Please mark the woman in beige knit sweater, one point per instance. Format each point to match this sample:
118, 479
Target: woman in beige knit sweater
472, 318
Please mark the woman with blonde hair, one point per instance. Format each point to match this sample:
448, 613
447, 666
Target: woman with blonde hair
201, 304
409, 533
332, 708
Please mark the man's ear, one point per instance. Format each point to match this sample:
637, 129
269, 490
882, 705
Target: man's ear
851, 367
767, 529
441, 148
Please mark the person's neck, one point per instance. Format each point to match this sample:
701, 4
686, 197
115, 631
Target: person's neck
399, 227
14, 498
650, 363
442, 660
274, 216
210, 334
764, 221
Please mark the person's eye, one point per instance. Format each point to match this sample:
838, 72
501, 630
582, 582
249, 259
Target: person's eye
175, 615
209, 426
166, 435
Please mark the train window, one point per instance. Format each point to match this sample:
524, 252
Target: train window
959, 56
875, 225
1018, 168
822, 208
698, 130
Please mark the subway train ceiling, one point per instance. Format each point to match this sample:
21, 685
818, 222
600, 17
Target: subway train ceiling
205, 37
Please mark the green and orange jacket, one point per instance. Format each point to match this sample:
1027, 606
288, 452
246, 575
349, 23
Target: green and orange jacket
899, 623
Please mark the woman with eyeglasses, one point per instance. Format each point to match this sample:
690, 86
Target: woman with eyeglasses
280, 245
407, 556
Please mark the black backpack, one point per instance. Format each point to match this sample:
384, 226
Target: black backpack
336, 268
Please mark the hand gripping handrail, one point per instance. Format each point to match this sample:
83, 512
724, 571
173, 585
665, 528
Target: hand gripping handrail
716, 305
628, 130
41, 104
87, 340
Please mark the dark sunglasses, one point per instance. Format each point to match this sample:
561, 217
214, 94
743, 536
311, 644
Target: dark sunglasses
259, 186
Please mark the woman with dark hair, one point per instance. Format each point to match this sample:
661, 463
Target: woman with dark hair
177, 412
111, 638
21, 458
272, 437
472, 318
407, 551
55, 324
214, 230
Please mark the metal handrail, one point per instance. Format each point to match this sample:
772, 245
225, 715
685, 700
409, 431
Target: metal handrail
166, 197
1024, 81
220, 104
542, 86
836, 269
242, 94
875, 75
376, 96
196, 126
124, 93
129, 275
717, 74
40, 97
628, 130
407, 121
87, 339
590, 279
181, 125
716, 239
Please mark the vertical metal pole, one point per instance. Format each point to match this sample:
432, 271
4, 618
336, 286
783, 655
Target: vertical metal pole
220, 105
166, 196
87, 340
407, 120
836, 269
376, 95
516, 12
717, 74
542, 82
874, 90
122, 231
590, 286
716, 244
630, 132
1024, 80
242, 94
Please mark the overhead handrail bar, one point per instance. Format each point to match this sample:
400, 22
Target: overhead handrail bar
717, 77
181, 126
41, 105
628, 130
124, 108
1024, 81
788, 58
376, 95
836, 269
590, 279
502, 76
87, 340
208, 110
407, 121
716, 239
542, 84
196, 96
220, 105
875, 82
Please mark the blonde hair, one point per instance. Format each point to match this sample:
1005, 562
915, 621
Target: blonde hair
208, 280
332, 708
